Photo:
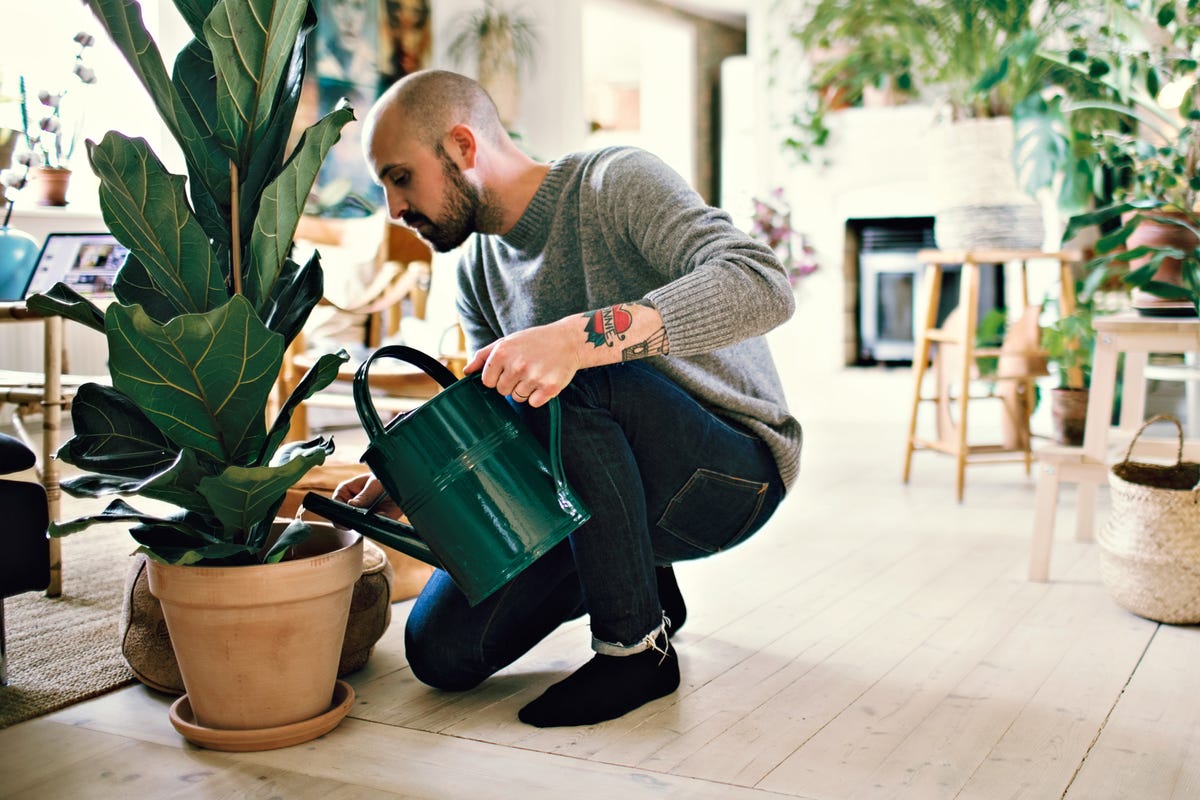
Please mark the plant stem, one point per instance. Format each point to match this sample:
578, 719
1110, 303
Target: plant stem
235, 229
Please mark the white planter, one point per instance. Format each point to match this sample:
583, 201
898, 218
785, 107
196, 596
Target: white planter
977, 203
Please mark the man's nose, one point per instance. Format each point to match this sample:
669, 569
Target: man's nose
396, 204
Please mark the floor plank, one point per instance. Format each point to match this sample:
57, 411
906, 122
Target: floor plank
1150, 745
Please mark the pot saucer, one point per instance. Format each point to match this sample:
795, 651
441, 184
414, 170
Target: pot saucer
244, 741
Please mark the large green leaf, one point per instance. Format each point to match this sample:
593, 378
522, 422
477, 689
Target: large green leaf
123, 21
135, 286
296, 533
187, 538
242, 496
1104, 215
193, 79
319, 375
177, 530
61, 300
146, 209
1042, 143
203, 379
283, 202
296, 292
251, 42
113, 436
194, 13
176, 484
269, 155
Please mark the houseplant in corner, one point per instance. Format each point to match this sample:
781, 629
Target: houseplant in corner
1152, 227
970, 59
205, 306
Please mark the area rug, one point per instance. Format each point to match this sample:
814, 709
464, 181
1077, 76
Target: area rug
62, 650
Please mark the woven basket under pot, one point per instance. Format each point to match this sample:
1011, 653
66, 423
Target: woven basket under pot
1150, 547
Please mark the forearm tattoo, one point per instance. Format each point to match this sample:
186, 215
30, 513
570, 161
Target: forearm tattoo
607, 327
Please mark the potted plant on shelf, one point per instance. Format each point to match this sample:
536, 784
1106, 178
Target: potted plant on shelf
1069, 342
51, 142
1151, 229
976, 61
204, 308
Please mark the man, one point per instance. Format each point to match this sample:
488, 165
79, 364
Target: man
604, 280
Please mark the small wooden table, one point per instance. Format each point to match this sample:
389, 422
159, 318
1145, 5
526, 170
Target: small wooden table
1136, 337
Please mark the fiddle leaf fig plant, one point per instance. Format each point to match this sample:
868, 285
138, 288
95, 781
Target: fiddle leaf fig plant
209, 297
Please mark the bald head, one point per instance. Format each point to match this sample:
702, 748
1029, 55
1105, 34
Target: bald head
428, 103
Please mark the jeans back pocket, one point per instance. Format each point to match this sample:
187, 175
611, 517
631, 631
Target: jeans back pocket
712, 512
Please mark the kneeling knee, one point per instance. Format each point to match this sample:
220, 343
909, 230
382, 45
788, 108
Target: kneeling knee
434, 665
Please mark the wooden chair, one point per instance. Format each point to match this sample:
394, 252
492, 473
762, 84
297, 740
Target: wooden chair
399, 287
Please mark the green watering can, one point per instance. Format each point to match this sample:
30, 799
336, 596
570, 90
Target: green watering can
483, 497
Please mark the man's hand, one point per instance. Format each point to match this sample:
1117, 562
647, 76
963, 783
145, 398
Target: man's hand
536, 364
365, 491
532, 365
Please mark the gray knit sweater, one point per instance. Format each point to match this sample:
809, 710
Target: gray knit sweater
616, 226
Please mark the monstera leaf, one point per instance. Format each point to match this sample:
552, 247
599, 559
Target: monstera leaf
146, 209
202, 379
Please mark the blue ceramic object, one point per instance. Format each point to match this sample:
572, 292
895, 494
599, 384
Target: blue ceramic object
18, 252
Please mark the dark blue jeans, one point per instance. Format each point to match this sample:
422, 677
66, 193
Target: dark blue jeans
665, 479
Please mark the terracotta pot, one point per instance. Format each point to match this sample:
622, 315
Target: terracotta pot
258, 646
1068, 409
51, 184
1161, 234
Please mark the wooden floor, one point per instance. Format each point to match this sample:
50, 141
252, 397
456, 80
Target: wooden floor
876, 640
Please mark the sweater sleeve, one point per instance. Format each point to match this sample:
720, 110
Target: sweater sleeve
722, 285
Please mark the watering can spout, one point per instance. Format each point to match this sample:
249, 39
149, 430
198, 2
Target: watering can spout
384, 530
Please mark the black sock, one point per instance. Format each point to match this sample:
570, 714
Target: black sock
671, 598
605, 688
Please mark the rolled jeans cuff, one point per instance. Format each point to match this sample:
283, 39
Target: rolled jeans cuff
647, 642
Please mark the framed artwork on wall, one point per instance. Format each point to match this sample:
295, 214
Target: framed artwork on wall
358, 49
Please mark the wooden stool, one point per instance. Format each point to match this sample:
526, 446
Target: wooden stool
960, 334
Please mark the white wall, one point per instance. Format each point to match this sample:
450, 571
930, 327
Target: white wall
551, 116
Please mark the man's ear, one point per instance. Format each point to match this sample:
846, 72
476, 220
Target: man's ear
461, 145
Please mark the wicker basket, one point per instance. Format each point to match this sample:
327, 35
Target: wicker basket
1150, 547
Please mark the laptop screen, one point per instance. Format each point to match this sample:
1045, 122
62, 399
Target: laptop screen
87, 262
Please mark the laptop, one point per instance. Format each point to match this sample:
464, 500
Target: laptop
87, 262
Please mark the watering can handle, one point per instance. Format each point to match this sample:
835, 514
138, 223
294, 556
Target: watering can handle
440, 373
362, 392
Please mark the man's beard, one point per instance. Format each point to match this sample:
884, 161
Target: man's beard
463, 208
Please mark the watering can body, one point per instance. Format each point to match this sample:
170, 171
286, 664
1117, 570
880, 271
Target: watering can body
483, 498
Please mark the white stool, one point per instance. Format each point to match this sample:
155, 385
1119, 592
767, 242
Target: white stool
1189, 373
